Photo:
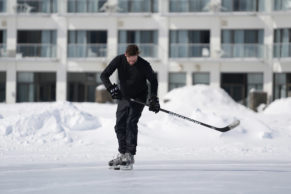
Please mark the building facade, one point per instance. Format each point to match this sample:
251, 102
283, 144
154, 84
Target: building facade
55, 50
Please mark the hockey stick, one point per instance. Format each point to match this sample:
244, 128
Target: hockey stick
221, 129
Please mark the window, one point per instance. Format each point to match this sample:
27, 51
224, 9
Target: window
82, 86
147, 41
37, 43
242, 43
85, 6
280, 85
176, 80
255, 81
243, 5
282, 43
138, 6
83, 43
2, 6
36, 87
2, 43
189, 43
200, 78
188, 5
281, 5
37, 6
2, 86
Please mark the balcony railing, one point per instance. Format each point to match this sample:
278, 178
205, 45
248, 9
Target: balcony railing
178, 50
138, 6
282, 5
87, 50
189, 5
86, 6
281, 50
37, 50
36, 6
147, 50
243, 50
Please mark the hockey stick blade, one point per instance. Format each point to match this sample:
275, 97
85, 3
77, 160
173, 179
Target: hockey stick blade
229, 127
221, 129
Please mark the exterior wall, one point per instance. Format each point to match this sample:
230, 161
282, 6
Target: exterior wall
163, 22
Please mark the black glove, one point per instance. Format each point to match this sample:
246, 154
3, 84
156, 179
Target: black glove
154, 104
114, 91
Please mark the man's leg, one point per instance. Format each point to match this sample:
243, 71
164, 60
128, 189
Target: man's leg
134, 114
120, 127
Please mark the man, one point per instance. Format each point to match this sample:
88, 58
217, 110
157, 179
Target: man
133, 72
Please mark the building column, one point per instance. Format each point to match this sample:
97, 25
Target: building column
215, 51
112, 44
11, 6
215, 76
11, 80
11, 31
61, 85
268, 41
163, 50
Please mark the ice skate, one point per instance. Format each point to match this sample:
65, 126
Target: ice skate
116, 162
127, 162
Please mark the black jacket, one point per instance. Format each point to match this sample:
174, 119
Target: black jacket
132, 77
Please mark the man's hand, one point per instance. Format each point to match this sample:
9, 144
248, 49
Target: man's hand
114, 91
154, 104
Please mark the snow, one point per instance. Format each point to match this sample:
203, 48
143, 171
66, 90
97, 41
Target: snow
281, 106
68, 145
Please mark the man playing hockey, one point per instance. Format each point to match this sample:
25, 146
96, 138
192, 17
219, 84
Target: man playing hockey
133, 73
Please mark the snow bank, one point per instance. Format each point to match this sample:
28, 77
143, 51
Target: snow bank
50, 121
281, 106
65, 131
215, 107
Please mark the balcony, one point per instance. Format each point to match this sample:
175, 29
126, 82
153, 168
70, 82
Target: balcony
37, 50
138, 6
281, 50
86, 6
179, 50
243, 50
87, 50
147, 49
36, 6
187, 6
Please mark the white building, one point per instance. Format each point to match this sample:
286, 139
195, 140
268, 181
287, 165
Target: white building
55, 49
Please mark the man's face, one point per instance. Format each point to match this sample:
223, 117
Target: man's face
131, 59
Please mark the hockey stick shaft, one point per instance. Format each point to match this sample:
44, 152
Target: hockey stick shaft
223, 129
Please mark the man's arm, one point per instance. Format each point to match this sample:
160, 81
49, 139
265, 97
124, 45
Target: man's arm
108, 72
152, 78
154, 104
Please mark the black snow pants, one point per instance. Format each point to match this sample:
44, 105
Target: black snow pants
127, 116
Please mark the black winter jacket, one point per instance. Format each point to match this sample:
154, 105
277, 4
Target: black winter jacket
132, 77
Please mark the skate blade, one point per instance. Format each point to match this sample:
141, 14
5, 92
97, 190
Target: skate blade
114, 167
126, 167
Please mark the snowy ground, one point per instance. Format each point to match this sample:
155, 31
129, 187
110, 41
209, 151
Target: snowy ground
64, 147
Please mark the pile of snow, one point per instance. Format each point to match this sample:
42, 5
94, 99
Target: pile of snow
43, 127
215, 107
281, 106
47, 122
